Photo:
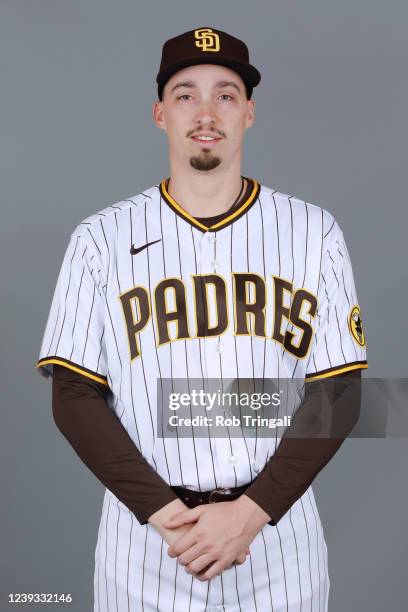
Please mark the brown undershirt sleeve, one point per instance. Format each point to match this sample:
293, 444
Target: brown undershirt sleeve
302, 454
83, 416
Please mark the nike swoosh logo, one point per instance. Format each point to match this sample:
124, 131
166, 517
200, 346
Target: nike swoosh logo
134, 250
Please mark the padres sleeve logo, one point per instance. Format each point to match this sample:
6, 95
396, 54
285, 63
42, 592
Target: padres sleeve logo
356, 325
207, 40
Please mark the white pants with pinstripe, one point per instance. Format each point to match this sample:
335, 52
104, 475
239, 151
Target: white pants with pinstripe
286, 570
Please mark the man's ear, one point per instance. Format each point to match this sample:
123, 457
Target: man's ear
158, 114
251, 113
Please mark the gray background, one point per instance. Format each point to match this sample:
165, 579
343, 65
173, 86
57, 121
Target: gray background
77, 84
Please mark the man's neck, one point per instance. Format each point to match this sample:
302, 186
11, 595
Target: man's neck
205, 194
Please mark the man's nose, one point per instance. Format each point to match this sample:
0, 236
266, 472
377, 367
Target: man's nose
206, 113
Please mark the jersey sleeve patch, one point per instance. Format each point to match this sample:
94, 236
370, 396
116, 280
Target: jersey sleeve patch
356, 325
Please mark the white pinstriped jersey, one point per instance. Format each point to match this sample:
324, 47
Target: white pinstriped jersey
288, 243
130, 319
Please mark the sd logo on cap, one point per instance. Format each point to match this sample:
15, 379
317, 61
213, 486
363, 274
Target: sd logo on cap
206, 46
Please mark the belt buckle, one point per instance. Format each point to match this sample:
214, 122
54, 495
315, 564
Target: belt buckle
223, 490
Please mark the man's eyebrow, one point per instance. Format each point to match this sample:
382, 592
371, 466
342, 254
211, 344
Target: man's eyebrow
193, 84
226, 83
183, 84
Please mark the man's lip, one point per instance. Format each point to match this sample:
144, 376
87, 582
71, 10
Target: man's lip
209, 135
206, 143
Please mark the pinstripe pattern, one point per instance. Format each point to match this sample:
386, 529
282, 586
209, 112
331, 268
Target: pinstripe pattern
134, 573
278, 236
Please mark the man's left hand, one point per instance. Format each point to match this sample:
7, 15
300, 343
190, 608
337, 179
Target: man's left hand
222, 532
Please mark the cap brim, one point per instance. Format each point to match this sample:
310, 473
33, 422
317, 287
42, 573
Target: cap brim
249, 74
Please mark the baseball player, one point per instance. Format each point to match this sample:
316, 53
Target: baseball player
206, 275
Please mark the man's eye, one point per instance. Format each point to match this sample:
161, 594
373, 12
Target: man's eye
227, 95
183, 96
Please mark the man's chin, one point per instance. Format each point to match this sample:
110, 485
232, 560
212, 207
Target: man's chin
204, 163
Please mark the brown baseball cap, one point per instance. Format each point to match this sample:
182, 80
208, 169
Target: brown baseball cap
206, 46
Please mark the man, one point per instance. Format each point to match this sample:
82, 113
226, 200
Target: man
207, 275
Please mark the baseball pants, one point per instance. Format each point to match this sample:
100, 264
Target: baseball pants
286, 570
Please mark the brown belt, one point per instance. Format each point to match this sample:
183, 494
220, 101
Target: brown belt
195, 498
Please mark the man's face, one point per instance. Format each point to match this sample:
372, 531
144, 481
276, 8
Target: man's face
207, 100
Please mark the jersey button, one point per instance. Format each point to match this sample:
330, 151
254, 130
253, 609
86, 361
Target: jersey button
220, 347
232, 459
212, 238
256, 466
215, 264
